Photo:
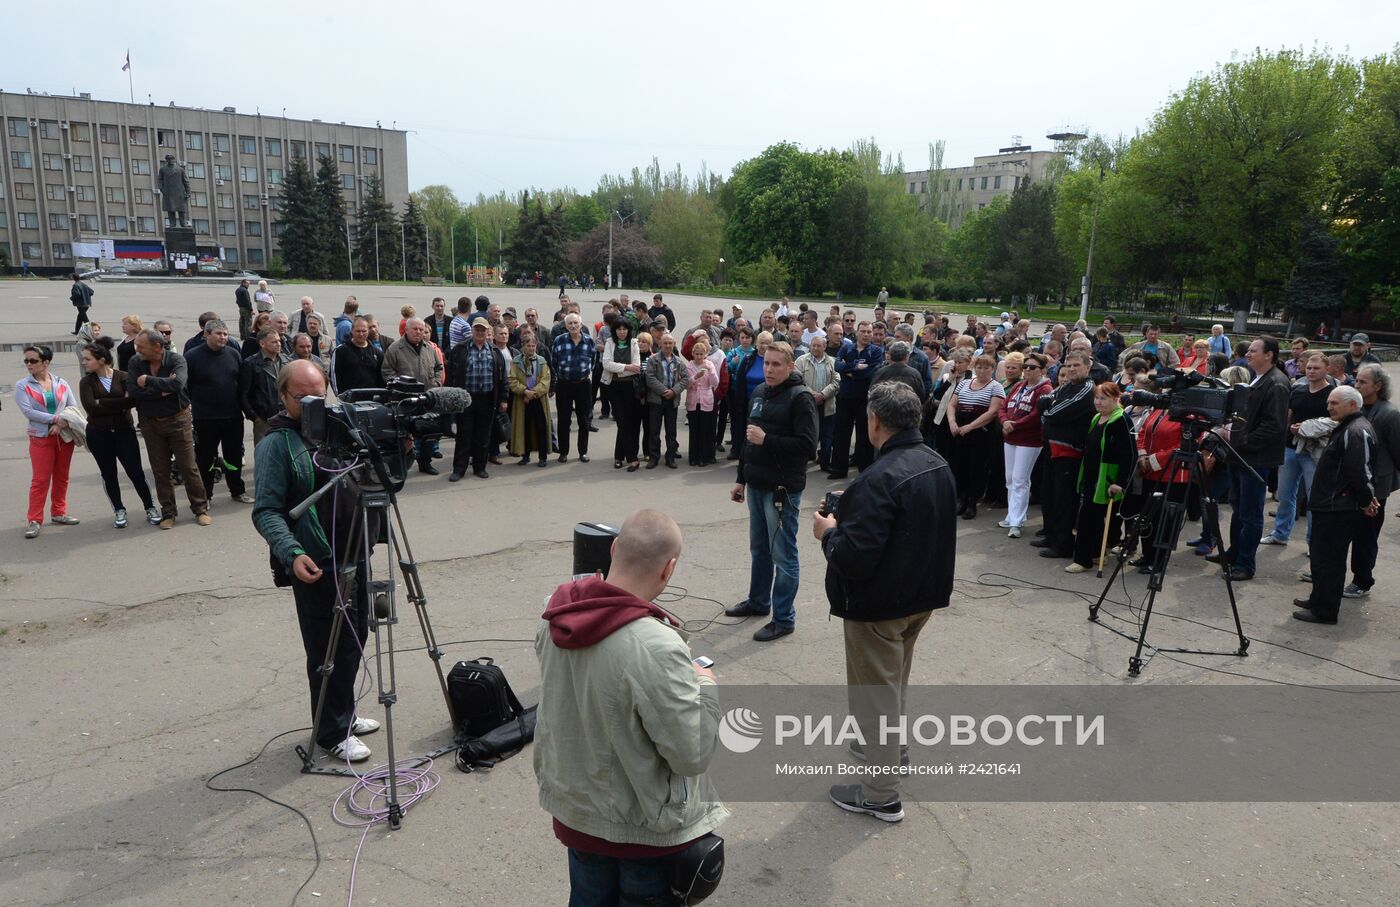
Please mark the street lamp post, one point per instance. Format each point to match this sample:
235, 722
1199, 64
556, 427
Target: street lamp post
1089, 263
621, 220
721, 272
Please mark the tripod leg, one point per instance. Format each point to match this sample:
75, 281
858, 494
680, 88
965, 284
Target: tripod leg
1135, 663
1117, 569
1210, 516
414, 586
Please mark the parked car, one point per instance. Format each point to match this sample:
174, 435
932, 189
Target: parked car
247, 275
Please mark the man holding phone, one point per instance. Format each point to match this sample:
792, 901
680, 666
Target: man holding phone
890, 548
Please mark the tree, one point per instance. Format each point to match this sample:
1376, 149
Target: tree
1366, 198
1237, 162
688, 228
632, 254
415, 241
1315, 289
333, 218
1025, 259
768, 275
377, 246
302, 219
847, 239
780, 202
440, 210
582, 214
540, 241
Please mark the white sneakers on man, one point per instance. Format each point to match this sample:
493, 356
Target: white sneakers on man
350, 750
364, 726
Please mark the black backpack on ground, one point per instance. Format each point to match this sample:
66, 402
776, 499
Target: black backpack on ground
492, 725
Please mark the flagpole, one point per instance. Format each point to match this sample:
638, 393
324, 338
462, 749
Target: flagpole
130, 89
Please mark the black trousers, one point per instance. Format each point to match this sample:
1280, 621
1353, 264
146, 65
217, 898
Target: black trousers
659, 414
82, 316
574, 398
1060, 502
850, 415
474, 434
1365, 549
120, 446
1088, 530
721, 420
702, 437
738, 426
627, 411
316, 605
1333, 532
211, 436
600, 390
972, 461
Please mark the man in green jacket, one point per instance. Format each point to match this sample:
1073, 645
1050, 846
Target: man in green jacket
627, 723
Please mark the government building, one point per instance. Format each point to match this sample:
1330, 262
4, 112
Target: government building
958, 192
78, 171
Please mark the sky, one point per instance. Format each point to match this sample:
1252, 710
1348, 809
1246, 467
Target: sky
554, 94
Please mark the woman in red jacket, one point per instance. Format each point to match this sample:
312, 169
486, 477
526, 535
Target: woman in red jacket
1158, 438
1021, 439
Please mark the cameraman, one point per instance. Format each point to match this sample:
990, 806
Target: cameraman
890, 551
302, 558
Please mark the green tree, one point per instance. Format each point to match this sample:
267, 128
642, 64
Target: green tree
415, 241
540, 240
845, 264
582, 214
1238, 161
1025, 260
768, 275
440, 210
334, 218
688, 228
1315, 289
302, 219
1366, 198
377, 245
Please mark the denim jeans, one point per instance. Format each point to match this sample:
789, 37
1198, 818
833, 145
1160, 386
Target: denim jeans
773, 550
1296, 467
598, 881
1246, 519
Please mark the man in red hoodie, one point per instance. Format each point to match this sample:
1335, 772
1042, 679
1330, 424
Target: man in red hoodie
627, 724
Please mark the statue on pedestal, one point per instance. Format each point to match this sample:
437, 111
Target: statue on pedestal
174, 188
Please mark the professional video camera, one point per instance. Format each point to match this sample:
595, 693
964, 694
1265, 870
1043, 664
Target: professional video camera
380, 419
1193, 397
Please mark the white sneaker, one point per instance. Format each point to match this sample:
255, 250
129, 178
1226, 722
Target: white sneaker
350, 750
364, 726
1013, 532
32, 530
1005, 524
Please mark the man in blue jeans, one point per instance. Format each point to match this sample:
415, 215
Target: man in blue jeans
780, 439
1258, 435
1307, 400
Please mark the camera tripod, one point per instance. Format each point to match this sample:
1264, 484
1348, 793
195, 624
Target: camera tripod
376, 509
1170, 504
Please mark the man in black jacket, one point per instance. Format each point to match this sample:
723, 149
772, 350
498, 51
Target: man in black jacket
890, 549
214, 369
356, 363
81, 297
897, 368
1258, 436
257, 382
1065, 419
1373, 384
781, 438
1341, 503
244, 300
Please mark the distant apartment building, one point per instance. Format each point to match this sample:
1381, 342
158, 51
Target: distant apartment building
76, 170
958, 192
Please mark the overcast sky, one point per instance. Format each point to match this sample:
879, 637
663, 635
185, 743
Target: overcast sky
504, 96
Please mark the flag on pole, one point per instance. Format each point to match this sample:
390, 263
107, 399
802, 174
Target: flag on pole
126, 67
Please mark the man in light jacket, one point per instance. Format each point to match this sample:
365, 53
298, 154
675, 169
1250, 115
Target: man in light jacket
818, 371
627, 723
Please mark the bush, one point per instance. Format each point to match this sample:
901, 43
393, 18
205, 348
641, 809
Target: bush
768, 275
920, 289
1158, 302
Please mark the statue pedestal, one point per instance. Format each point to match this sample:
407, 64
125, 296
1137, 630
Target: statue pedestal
178, 241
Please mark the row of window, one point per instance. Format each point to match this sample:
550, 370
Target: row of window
921, 186
116, 195
139, 136
62, 251
23, 160
119, 223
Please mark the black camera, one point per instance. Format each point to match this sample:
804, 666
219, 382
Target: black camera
1193, 397
829, 503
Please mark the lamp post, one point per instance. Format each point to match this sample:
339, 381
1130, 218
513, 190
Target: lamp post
721, 272
1089, 263
621, 220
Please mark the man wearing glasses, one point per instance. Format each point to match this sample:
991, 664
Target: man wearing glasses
1021, 437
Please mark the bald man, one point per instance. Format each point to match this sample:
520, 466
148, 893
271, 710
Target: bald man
625, 717
304, 560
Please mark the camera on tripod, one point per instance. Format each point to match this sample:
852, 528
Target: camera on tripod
380, 419
1193, 397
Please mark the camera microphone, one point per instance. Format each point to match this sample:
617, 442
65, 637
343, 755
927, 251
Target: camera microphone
448, 399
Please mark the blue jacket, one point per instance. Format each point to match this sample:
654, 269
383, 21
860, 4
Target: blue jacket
855, 382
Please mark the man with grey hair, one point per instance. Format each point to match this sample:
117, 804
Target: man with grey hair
890, 548
282, 325
1343, 500
918, 359
157, 381
308, 309
1373, 384
412, 355
897, 368
572, 372
213, 368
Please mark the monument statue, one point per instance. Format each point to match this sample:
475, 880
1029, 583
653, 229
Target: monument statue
174, 188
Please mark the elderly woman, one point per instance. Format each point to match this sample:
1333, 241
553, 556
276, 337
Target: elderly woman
957, 367
973, 427
42, 397
528, 383
623, 383
1197, 358
111, 436
1109, 454
263, 299
700, 396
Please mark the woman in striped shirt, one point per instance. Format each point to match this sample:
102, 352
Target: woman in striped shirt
972, 422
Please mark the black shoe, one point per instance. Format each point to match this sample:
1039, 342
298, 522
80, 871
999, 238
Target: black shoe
732, 456
847, 796
1237, 575
1304, 602
1217, 557
427, 468
771, 631
1140, 561
617, 464
670, 462
970, 513
1040, 542
652, 464
437, 455
583, 458
1041, 533
634, 466
962, 507
563, 458
481, 474
455, 477
1310, 616
745, 608
592, 427
542, 463
1051, 552
525, 461
837, 475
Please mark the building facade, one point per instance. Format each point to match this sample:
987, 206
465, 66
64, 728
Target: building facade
958, 192
77, 170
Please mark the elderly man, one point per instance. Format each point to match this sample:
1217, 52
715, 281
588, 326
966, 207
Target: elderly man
818, 371
158, 383
1065, 417
890, 555
412, 355
666, 378
737, 314
1373, 383
213, 371
243, 300
1359, 353
572, 370
918, 359
282, 325
897, 368
476, 367
1343, 501
308, 309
